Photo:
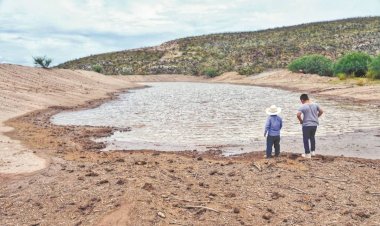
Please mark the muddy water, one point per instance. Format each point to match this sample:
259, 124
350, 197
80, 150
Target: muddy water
187, 116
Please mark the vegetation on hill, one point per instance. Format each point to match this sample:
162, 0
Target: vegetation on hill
355, 63
352, 64
374, 68
245, 52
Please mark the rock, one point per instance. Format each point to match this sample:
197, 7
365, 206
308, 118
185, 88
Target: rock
213, 172
270, 210
140, 163
236, 210
102, 182
230, 195
91, 174
161, 214
306, 207
148, 187
119, 160
276, 195
120, 182
363, 214
202, 184
231, 174
200, 158
267, 216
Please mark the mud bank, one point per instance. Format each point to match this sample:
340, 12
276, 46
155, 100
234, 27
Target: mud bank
83, 186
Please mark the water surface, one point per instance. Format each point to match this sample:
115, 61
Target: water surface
183, 116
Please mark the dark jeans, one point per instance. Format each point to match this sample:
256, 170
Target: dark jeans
273, 141
309, 134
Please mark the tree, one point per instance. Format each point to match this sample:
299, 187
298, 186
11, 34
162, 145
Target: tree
43, 62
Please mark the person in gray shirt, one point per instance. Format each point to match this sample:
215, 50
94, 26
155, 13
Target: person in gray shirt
310, 112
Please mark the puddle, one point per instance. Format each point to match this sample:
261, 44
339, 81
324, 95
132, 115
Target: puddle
188, 116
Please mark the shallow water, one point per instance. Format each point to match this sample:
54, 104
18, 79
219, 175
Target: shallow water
179, 116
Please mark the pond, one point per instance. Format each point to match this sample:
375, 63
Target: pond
188, 116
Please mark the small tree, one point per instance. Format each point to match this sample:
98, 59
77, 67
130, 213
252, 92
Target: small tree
355, 63
43, 62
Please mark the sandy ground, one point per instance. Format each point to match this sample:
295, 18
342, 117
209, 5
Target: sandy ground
25, 89
83, 186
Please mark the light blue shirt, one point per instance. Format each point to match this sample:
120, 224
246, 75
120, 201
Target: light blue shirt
273, 125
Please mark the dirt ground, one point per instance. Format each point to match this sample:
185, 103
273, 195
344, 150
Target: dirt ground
84, 186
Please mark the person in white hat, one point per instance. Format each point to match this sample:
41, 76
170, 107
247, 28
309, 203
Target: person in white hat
273, 126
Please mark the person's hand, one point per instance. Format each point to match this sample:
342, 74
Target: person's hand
301, 121
265, 134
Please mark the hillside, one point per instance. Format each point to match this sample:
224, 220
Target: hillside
245, 52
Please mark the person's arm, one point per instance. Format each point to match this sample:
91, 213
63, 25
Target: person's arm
267, 126
299, 117
320, 112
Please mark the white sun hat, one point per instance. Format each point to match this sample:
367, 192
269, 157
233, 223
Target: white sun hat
273, 110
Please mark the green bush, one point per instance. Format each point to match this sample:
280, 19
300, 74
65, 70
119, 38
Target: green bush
44, 62
355, 63
312, 64
374, 68
211, 72
97, 68
246, 70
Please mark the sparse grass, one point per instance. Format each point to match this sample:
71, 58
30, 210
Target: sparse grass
361, 82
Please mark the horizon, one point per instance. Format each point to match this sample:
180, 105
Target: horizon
64, 31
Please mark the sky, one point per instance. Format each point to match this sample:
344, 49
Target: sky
70, 29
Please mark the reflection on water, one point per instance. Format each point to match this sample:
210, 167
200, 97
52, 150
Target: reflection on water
177, 116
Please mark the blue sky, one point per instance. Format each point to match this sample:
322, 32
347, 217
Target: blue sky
69, 29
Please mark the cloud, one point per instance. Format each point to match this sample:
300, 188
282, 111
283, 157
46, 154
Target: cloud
74, 28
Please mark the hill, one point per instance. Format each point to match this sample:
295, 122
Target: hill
245, 52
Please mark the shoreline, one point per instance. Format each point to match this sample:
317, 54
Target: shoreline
85, 186
228, 78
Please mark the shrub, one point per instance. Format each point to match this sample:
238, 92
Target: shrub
360, 82
211, 72
374, 68
341, 76
246, 70
312, 64
355, 63
44, 62
97, 68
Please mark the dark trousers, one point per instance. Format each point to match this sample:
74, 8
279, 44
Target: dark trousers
309, 134
273, 141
